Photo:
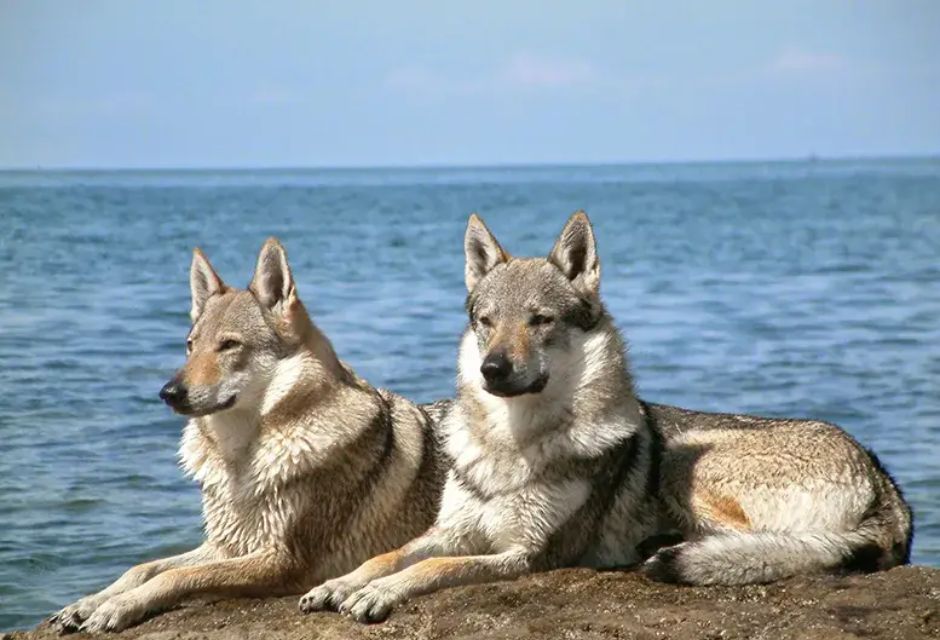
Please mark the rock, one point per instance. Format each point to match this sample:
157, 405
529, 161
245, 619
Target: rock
902, 603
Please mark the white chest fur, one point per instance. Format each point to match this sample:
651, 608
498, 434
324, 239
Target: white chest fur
528, 518
233, 433
522, 519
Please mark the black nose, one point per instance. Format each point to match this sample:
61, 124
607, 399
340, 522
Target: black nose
496, 367
173, 392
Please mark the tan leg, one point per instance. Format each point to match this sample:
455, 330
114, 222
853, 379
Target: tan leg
72, 616
435, 542
373, 602
254, 575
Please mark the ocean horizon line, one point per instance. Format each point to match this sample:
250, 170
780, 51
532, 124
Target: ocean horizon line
473, 166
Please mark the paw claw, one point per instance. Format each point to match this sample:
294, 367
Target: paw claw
317, 599
114, 615
70, 618
329, 595
373, 603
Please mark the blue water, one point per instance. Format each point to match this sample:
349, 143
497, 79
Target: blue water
786, 289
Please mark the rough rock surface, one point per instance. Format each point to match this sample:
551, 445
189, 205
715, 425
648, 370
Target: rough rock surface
579, 603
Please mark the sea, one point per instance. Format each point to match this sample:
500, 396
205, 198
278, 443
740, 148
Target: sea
804, 288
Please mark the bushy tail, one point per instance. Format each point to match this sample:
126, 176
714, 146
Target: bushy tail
746, 558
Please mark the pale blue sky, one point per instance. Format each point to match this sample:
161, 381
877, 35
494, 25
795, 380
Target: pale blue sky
221, 84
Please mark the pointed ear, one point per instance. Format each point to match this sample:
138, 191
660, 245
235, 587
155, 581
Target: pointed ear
204, 283
482, 250
575, 253
272, 283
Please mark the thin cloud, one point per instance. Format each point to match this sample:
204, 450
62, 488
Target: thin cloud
520, 72
531, 71
798, 60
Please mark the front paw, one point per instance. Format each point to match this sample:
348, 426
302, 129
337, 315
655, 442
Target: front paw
71, 617
116, 614
328, 596
372, 603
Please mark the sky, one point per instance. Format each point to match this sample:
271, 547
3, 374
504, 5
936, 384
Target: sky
282, 84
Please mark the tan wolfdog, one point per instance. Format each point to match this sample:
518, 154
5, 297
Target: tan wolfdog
305, 469
556, 462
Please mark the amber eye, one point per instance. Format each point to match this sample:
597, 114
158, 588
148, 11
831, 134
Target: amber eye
538, 320
485, 321
228, 344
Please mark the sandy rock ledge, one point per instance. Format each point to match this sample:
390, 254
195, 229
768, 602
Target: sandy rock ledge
903, 603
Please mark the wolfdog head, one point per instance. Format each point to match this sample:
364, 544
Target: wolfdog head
238, 337
525, 312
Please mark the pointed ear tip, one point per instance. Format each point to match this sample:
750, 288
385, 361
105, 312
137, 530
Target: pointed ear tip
474, 219
200, 259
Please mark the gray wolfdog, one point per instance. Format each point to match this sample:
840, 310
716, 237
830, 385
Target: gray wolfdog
556, 462
306, 470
